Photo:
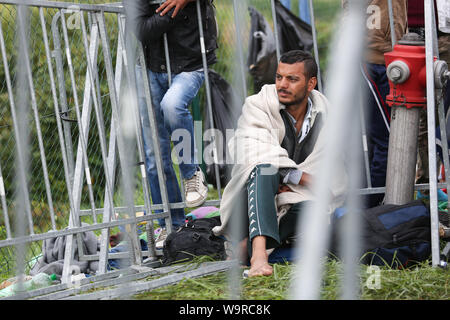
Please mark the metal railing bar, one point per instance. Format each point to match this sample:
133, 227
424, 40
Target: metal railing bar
316, 50
56, 105
108, 279
128, 60
57, 55
109, 8
111, 159
98, 284
72, 231
52, 291
122, 147
39, 133
102, 138
208, 96
176, 205
82, 134
2, 186
444, 146
134, 288
76, 218
239, 42
365, 143
391, 24
66, 162
168, 66
430, 37
169, 80
4, 205
17, 133
155, 140
79, 171
275, 27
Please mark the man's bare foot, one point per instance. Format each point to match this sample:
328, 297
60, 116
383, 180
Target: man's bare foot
259, 266
259, 263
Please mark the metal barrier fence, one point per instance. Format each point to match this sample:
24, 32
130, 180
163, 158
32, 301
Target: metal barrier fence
79, 167
65, 86
60, 76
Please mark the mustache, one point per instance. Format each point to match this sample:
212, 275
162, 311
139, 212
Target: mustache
283, 91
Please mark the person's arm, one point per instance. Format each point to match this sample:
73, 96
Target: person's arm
148, 26
305, 180
177, 5
294, 176
291, 175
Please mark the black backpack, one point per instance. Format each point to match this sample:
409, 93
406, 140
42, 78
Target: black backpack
391, 235
193, 239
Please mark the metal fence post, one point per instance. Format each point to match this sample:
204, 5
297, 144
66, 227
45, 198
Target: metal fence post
208, 95
122, 147
430, 38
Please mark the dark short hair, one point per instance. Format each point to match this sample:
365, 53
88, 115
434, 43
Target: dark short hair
296, 56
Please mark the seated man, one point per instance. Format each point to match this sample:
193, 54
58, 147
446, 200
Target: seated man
279, 135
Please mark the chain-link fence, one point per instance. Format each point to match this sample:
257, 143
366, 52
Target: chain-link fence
40, 199
325, 11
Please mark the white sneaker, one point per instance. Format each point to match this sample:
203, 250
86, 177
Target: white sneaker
195, 189
159, 242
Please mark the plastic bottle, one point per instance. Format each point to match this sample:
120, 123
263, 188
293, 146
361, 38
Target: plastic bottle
40, 280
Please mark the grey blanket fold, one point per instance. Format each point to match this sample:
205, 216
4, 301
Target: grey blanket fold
53, 251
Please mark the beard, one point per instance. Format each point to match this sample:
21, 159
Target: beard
297, 98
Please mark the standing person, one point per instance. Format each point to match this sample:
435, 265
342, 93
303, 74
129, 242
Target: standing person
178, 20
303, 11
416, 24
279, 136
377, 112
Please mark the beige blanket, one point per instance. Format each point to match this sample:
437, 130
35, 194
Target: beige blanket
257, 140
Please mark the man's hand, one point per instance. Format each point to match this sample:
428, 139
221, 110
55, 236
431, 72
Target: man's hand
283, 188
306, 180
169, 4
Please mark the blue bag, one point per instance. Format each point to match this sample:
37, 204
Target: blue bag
397, 236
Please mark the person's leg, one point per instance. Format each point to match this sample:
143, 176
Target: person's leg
157, 82
178, 119
289, 222
259, 262
262, 214
378, 113
178, 122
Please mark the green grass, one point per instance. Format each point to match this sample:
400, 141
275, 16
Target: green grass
422, 282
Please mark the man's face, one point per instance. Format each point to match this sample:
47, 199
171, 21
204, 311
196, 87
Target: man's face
291, 83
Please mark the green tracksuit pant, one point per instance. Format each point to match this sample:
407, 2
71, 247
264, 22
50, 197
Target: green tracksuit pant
262, 186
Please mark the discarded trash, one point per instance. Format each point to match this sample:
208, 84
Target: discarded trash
41, 280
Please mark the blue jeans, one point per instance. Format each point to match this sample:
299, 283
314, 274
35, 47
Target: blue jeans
378, 117
173, 119
303, 11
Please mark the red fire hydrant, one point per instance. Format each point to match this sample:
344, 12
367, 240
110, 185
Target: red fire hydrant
406, 71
